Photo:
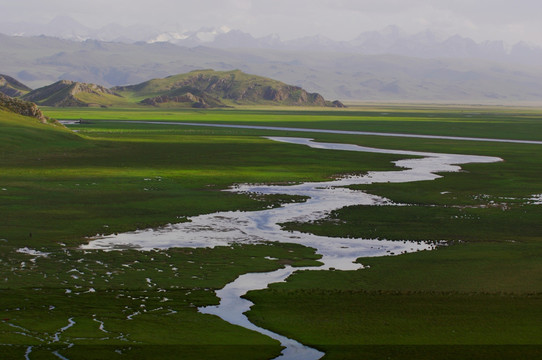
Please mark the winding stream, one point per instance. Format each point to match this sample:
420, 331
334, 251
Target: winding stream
225, 228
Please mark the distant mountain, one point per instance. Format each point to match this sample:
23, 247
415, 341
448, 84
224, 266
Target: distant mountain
38, 61
209, 88
21, 107
428, 44
389, 41
11, 87
203, 36
65, 27
66, 93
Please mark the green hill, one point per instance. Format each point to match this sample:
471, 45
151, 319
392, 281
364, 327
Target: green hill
11, 87
209, 88
197, 89
24, 131
21, 107
67, 93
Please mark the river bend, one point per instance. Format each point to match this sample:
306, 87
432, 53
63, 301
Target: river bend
225, 228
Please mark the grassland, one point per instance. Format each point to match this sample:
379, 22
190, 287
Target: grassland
475, 121
117, 177
478, 298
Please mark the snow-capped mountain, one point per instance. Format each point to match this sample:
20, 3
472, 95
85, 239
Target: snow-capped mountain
391, 40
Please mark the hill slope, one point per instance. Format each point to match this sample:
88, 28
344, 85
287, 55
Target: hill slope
21, 107
197, 89
67, 93
11, 87
26, 132
209, 88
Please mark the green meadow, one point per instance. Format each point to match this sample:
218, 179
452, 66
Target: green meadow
479, 296
475, 121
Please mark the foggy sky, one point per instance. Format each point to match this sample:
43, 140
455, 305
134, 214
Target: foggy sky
509, 20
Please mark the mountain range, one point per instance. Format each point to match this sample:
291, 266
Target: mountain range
346, 75
390, 40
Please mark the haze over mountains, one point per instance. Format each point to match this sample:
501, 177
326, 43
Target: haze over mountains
11, 87
389, 40
387, 65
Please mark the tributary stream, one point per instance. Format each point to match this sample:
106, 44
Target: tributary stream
225, 228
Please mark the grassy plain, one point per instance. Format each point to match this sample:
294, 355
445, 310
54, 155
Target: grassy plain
475, 121
479, 298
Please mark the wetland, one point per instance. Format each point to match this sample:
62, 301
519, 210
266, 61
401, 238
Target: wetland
116, 178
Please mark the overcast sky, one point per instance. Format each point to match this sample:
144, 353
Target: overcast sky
509, 20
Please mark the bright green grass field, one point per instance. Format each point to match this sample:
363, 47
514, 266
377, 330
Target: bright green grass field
491, 122
479, 298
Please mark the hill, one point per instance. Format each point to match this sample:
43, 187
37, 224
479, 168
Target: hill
21, 107
11, 87
67, 93
209, 88
27, 134
197, 89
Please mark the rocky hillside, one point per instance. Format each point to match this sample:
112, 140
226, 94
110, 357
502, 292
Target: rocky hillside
21, 107
186, 95
11, 87
197, 89
208, 88
67, 93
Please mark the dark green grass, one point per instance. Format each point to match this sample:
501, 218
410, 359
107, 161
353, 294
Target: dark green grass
470, 300
413, 319
498, 222
355, 325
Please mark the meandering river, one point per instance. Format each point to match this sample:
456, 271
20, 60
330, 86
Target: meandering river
225, 228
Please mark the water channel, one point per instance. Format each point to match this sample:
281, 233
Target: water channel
225, 228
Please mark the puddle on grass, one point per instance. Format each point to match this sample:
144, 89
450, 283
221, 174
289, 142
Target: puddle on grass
536, 199
32, 252
225, 228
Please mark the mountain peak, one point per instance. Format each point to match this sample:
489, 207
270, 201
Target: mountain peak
11, 87
67, 93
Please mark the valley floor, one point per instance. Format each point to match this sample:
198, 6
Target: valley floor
479, 297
